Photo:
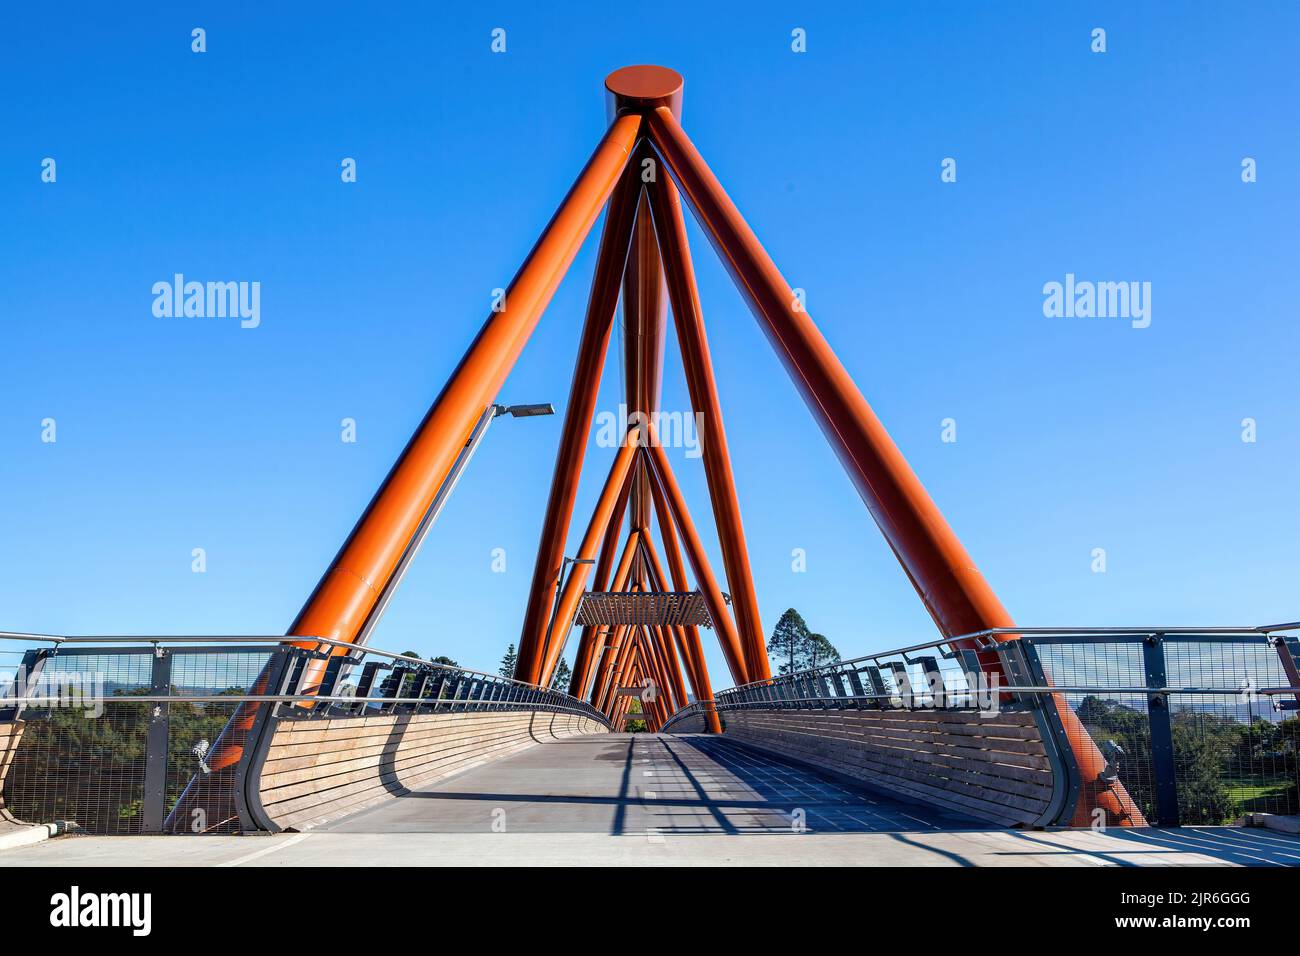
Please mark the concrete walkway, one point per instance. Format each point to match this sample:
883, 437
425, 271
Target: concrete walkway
1189, 846
620, 784
641, 800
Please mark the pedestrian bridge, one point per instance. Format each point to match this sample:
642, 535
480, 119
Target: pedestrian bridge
899, 756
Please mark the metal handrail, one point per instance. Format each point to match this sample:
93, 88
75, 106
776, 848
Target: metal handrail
59, 640
1081, 633
281, 699
564, 702
725, 704
743, 695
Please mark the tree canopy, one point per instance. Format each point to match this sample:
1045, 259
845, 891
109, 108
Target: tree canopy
795, 648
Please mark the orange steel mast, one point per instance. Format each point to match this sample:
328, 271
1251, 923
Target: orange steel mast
644, 250
344, 596
954, 592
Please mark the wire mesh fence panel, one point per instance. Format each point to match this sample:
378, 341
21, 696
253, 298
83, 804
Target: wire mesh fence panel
83, 759
193, 727
1234, 753
1118, 723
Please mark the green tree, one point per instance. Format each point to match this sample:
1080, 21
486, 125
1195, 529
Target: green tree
508, 659
633, 726
789, 644
821, 651
562, 676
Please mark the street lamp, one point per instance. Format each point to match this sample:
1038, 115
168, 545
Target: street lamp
523, 411
555, 610
435, 507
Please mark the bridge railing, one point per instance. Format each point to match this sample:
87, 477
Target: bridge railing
109, 731
1199, 724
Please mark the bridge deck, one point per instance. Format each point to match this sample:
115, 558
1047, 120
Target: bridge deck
643, 783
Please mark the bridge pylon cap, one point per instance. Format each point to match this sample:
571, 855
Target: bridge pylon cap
644, 87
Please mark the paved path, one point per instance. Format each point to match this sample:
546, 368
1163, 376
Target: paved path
621, 784
638, 800
1190, 846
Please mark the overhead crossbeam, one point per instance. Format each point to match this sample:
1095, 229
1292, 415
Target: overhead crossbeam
662, 608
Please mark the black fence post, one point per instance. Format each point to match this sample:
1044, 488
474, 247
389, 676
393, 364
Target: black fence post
156, 744
1162, 733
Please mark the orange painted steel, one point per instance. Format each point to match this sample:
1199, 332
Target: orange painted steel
663, 703
670, 227
956, 595
627, 654
660, 666
608, 667
693, 650
665, 634
584, 392
635, 89
644, 314
345, 595
663, 583
589, 649
592, 638
620, 472
723, 624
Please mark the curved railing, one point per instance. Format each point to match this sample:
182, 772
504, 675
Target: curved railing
113, 730
426, 686
905, 678
1197, 723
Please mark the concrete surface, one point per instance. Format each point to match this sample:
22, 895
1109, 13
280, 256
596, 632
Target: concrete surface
1272, 821
620, 800
14, 835
1189, 846
633, 783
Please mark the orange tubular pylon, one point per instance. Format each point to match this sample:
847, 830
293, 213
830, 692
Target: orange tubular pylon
954, 592
670, 227
338, 607
659, 666
644, 314
592, 638
704, 578
588, 650
693, 650
667, 633
349, 588
632, 90
583, 394
620, 472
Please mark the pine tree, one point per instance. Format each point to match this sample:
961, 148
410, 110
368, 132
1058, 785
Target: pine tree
507, 668
562, 676
821, 651
789, 642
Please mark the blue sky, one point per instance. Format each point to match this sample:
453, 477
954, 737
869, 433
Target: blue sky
1073, 434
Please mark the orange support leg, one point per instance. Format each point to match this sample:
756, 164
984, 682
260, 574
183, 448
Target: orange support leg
670, 227
692, 649
954, 592
708, 584
620, 472
588, 649
666, 633
592, 638
345, 594
583, 395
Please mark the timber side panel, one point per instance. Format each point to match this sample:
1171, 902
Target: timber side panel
320, 770
992, 768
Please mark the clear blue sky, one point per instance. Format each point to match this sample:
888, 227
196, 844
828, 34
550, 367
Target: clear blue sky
1073, 434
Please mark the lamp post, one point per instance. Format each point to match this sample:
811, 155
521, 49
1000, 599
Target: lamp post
555, 608
440, 499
